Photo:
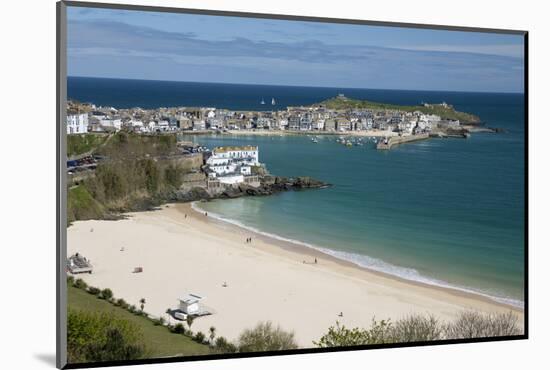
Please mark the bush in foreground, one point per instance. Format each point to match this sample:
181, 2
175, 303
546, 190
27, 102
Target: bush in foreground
102, 337
264, 337
420, 328
473, 324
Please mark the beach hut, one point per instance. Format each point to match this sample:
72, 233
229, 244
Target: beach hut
190, 304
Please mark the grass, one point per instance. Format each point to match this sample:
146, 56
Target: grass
85, 143
159, 340
81, 205
445, 113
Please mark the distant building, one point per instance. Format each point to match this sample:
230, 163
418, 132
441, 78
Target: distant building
77, 123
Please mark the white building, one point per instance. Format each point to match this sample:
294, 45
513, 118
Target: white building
230, 164
190, 304
115, 124
77, 123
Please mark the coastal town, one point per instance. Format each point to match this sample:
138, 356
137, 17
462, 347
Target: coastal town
322, 118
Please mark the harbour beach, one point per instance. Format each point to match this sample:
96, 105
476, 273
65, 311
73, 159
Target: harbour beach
183, 251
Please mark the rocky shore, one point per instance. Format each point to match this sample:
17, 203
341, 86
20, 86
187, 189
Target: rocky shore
269, 185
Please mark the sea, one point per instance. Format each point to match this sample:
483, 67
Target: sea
446, 212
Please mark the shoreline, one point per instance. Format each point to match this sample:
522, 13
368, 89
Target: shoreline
319, 252
366, 133
266, 279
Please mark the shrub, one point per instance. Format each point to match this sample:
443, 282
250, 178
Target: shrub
264, 337
339, 335
222, 345
102, 337
199, 337
80, 284
122, 303
132, 308
416, 328
93, 290
472, 324
179, 329
70, 280
107, 293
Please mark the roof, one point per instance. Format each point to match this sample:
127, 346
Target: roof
225, 149
190, 298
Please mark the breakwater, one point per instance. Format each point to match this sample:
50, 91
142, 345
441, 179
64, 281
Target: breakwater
387, 143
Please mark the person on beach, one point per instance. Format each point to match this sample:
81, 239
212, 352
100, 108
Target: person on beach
206, 214
315, 260
341, 314
186, 215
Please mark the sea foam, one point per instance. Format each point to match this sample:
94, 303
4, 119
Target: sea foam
368, 262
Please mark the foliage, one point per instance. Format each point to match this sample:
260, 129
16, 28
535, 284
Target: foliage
340, 103
420, 328
70, 280
199, 337
81, 205
222, 345
189, 321
85, 143
179, 329
101, 337
93, 290
264, 337
159, 341
416, 328
339, 335
212, 334
172, 175
107, 294
80, 284
473, 324
121, 303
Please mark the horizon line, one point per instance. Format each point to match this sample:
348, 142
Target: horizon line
278, 85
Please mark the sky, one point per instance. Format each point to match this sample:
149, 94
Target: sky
203, 48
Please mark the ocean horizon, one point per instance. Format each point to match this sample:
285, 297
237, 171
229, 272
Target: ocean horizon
447, 212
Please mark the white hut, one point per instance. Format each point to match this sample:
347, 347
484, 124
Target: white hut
190, 304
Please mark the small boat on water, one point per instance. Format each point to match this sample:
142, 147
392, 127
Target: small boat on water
262, 102
314, 140
273, 101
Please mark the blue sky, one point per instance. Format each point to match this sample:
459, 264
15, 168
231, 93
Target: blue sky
185, 47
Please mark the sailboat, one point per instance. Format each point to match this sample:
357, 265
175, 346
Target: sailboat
273, 101
262, 102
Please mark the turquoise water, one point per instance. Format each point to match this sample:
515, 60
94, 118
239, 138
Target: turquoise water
445, 211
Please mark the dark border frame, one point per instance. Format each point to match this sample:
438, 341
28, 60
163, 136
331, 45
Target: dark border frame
61, 73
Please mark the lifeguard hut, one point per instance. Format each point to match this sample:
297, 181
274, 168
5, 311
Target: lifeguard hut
189, 304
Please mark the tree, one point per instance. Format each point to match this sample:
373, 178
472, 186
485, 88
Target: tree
473, 324
416, 328
189, 321
212, 335
264, 337
142, 304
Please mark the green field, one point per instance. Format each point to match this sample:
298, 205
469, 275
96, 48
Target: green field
342, 103
160, 342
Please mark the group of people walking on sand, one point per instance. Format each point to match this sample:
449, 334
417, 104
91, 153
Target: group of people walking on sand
248, 240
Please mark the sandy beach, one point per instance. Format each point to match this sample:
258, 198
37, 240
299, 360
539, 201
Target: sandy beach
266, 279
